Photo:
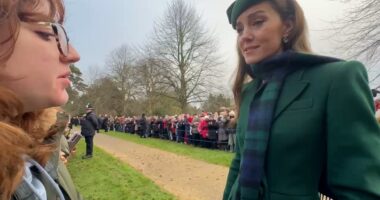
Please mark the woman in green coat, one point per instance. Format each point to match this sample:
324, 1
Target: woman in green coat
306, 123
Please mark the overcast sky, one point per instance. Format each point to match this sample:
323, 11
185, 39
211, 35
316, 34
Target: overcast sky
96, 27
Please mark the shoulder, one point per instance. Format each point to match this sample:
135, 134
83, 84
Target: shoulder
93, 115
333, 70
343, 65
31, 187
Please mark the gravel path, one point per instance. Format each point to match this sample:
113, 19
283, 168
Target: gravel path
184, 177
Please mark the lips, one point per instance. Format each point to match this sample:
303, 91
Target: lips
250, 48
65, 75
65, 79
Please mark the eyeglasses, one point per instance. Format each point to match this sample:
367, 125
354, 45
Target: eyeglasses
60, 36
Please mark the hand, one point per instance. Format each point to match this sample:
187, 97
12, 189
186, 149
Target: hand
62, 156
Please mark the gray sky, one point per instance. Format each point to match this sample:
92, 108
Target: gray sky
96, 27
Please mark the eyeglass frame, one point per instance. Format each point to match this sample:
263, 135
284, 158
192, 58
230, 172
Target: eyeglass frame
56, 34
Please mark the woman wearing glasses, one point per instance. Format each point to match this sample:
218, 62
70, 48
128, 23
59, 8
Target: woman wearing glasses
305, 123
34, 74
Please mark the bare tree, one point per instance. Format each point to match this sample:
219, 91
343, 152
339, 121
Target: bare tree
122, 68
187, 53
361, 28
150, 78
361, 38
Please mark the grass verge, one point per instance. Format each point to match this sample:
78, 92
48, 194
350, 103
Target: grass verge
105, 177
211, 156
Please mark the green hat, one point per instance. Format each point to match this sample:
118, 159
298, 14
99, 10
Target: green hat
238, 7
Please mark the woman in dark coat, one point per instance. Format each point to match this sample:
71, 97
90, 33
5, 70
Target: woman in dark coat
212, 132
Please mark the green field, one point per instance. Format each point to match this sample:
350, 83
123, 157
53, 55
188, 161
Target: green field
211, 156
104, 177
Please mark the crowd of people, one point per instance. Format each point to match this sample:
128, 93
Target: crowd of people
209, 130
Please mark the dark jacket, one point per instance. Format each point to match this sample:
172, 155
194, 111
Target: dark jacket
89, 124
105, 123
212, 130
143, 123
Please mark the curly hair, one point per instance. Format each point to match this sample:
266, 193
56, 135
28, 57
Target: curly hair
22, 133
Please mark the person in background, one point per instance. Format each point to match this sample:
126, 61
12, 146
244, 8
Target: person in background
212, 132
231, 131
35, 55
222, 130
306, 122
194, 131
143, 127
89, 126
377, 108
377, 104
203, 130
105, 124
100, 122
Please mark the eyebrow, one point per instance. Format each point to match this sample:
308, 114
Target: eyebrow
37, 27
35, 17
253, 15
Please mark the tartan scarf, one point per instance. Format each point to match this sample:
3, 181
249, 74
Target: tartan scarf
271, 73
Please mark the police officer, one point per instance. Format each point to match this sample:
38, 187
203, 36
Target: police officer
89, 125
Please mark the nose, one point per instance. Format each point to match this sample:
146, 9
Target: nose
72, 57
246, 35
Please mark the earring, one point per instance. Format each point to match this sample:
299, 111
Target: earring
285, 39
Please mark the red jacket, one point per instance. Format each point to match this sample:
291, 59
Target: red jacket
203, 128
377, 105
190, 119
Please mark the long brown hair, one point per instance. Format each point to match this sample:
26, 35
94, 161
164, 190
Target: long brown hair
298, 41
21, 134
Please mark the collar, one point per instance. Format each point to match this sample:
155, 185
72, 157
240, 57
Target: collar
287, 59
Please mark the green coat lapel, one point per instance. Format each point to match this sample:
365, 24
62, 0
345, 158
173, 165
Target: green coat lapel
250, 90
290, 91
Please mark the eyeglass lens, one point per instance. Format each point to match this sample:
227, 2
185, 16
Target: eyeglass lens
62, 39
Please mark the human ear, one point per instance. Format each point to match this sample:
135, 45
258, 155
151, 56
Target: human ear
288, 26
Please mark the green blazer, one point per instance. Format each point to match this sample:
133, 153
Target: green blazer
324, 137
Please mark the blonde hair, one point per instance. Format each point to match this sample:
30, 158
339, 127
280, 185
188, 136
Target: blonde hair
297, 41
21, 133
